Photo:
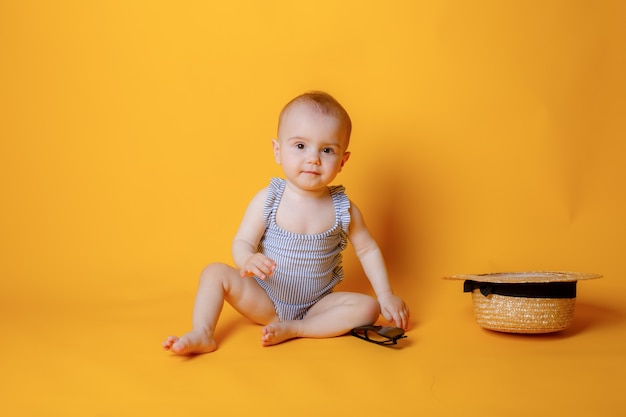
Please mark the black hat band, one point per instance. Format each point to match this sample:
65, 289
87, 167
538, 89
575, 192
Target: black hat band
524, 289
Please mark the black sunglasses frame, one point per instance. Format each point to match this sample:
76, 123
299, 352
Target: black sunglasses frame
392, 334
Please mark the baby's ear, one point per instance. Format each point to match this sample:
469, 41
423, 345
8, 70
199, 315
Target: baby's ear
276, 147
345, 158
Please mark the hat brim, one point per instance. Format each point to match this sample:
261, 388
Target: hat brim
528, 276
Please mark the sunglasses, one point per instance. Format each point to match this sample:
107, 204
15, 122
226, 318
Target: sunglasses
379, 334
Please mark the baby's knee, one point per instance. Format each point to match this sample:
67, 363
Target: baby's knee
371, 308
214, 271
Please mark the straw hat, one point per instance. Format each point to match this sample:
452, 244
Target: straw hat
524, 302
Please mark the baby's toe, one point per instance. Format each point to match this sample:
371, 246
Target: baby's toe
169, 342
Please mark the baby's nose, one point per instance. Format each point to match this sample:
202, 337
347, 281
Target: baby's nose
313, 157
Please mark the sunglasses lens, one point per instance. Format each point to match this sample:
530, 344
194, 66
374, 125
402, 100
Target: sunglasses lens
391, 332
376, 338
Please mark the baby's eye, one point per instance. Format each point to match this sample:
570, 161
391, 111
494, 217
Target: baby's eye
328, 150
300, 145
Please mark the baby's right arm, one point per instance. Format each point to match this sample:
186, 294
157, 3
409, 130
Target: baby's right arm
245, 254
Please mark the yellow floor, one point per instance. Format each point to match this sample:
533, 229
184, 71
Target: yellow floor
488, 137
63, 359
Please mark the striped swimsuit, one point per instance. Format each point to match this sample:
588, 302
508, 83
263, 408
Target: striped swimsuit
307, 266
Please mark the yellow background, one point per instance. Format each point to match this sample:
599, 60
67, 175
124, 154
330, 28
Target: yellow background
488, 136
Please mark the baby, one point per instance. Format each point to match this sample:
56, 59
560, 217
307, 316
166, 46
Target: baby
287, 250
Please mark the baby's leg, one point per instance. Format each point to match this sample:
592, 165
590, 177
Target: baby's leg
220, 282
332, 316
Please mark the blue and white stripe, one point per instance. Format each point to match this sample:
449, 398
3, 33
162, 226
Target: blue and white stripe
308, 267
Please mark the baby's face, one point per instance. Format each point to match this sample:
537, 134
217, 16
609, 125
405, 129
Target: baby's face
311, 147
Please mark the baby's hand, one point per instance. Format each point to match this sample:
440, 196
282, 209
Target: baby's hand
259, 265
394, 310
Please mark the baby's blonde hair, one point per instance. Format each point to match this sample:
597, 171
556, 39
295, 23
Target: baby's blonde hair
326, 104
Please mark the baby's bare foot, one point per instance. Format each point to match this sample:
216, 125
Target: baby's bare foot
191, 343
276, 333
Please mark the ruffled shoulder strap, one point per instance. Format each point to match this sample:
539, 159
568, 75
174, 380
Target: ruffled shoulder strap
342, 205
274, 194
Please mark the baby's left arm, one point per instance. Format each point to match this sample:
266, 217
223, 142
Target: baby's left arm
392, 307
